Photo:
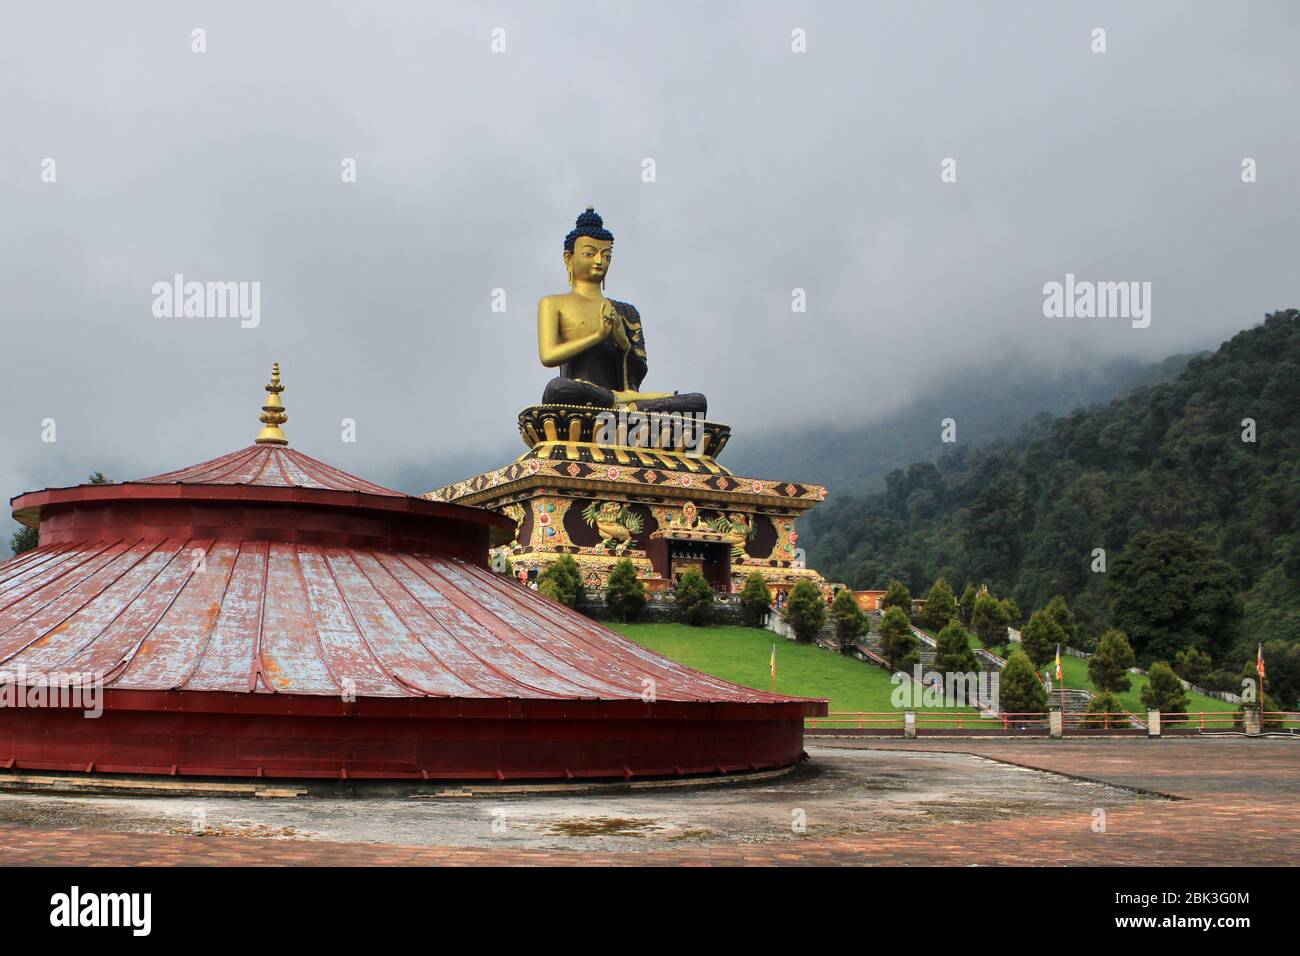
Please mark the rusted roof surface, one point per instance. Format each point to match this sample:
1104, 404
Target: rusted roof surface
270, 617
269, 466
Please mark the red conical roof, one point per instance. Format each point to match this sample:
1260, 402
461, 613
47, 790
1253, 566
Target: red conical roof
270, 466
266, 617
267, 576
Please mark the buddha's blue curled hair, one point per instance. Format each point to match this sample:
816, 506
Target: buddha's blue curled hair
589, 224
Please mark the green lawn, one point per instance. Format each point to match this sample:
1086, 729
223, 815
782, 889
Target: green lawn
742, 655
1076, 675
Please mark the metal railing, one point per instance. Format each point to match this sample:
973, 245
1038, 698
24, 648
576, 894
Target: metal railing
1102, 720
895, 720
1230, 720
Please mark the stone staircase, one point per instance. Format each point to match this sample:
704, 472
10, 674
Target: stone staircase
866, 654
870, 642
926, 651
1076, 699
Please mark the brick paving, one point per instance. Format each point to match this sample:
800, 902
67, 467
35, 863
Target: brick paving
1236, 805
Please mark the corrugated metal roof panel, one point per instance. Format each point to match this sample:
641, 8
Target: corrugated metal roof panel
259, 617
269, 466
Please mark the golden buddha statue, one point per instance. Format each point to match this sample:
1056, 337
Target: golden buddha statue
597, 343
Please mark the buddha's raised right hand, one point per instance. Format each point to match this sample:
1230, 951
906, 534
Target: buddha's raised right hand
613, 325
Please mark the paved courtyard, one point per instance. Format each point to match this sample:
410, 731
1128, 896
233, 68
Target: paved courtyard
883, 802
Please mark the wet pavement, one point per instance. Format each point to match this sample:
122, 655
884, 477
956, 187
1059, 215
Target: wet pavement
958, 802
841, 793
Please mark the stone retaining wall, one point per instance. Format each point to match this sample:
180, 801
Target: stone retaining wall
662, 609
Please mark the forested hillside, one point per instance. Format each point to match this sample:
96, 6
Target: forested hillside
995, 401
1025, 516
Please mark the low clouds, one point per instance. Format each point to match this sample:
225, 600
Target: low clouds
774, 171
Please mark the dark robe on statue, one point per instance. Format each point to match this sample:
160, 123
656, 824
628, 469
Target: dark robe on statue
592, 377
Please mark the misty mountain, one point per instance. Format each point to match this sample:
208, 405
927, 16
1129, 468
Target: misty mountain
987, 403
1210, 454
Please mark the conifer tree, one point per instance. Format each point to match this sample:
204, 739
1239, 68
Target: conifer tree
755, 600
1164, 691
1040, 638
23, 540
1060, 612
940, 606
1193, 664
1104, 703
897, 595
1019, 690
967, 604
694, 599
805, 611
898, 645
989, 619
847, 618
1109, 664
953, 652
625, 592
562, 581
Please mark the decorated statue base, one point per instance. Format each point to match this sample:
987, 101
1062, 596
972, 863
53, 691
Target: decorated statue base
648, 487
614, 472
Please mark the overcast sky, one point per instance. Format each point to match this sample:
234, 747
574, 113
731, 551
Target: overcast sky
774, 170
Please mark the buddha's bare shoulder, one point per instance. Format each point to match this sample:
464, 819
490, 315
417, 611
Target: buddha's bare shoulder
556, 301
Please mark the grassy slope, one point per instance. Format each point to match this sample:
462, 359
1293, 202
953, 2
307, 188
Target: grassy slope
741, 655
1076, 675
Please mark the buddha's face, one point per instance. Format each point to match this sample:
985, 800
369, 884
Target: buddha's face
590, 258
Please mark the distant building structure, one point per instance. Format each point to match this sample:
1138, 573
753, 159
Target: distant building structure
869, 600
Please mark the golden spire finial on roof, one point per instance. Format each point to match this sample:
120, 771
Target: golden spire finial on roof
273, 415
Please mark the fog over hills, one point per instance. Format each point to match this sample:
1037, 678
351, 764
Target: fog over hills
985, 403
129, 159
1198, 474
